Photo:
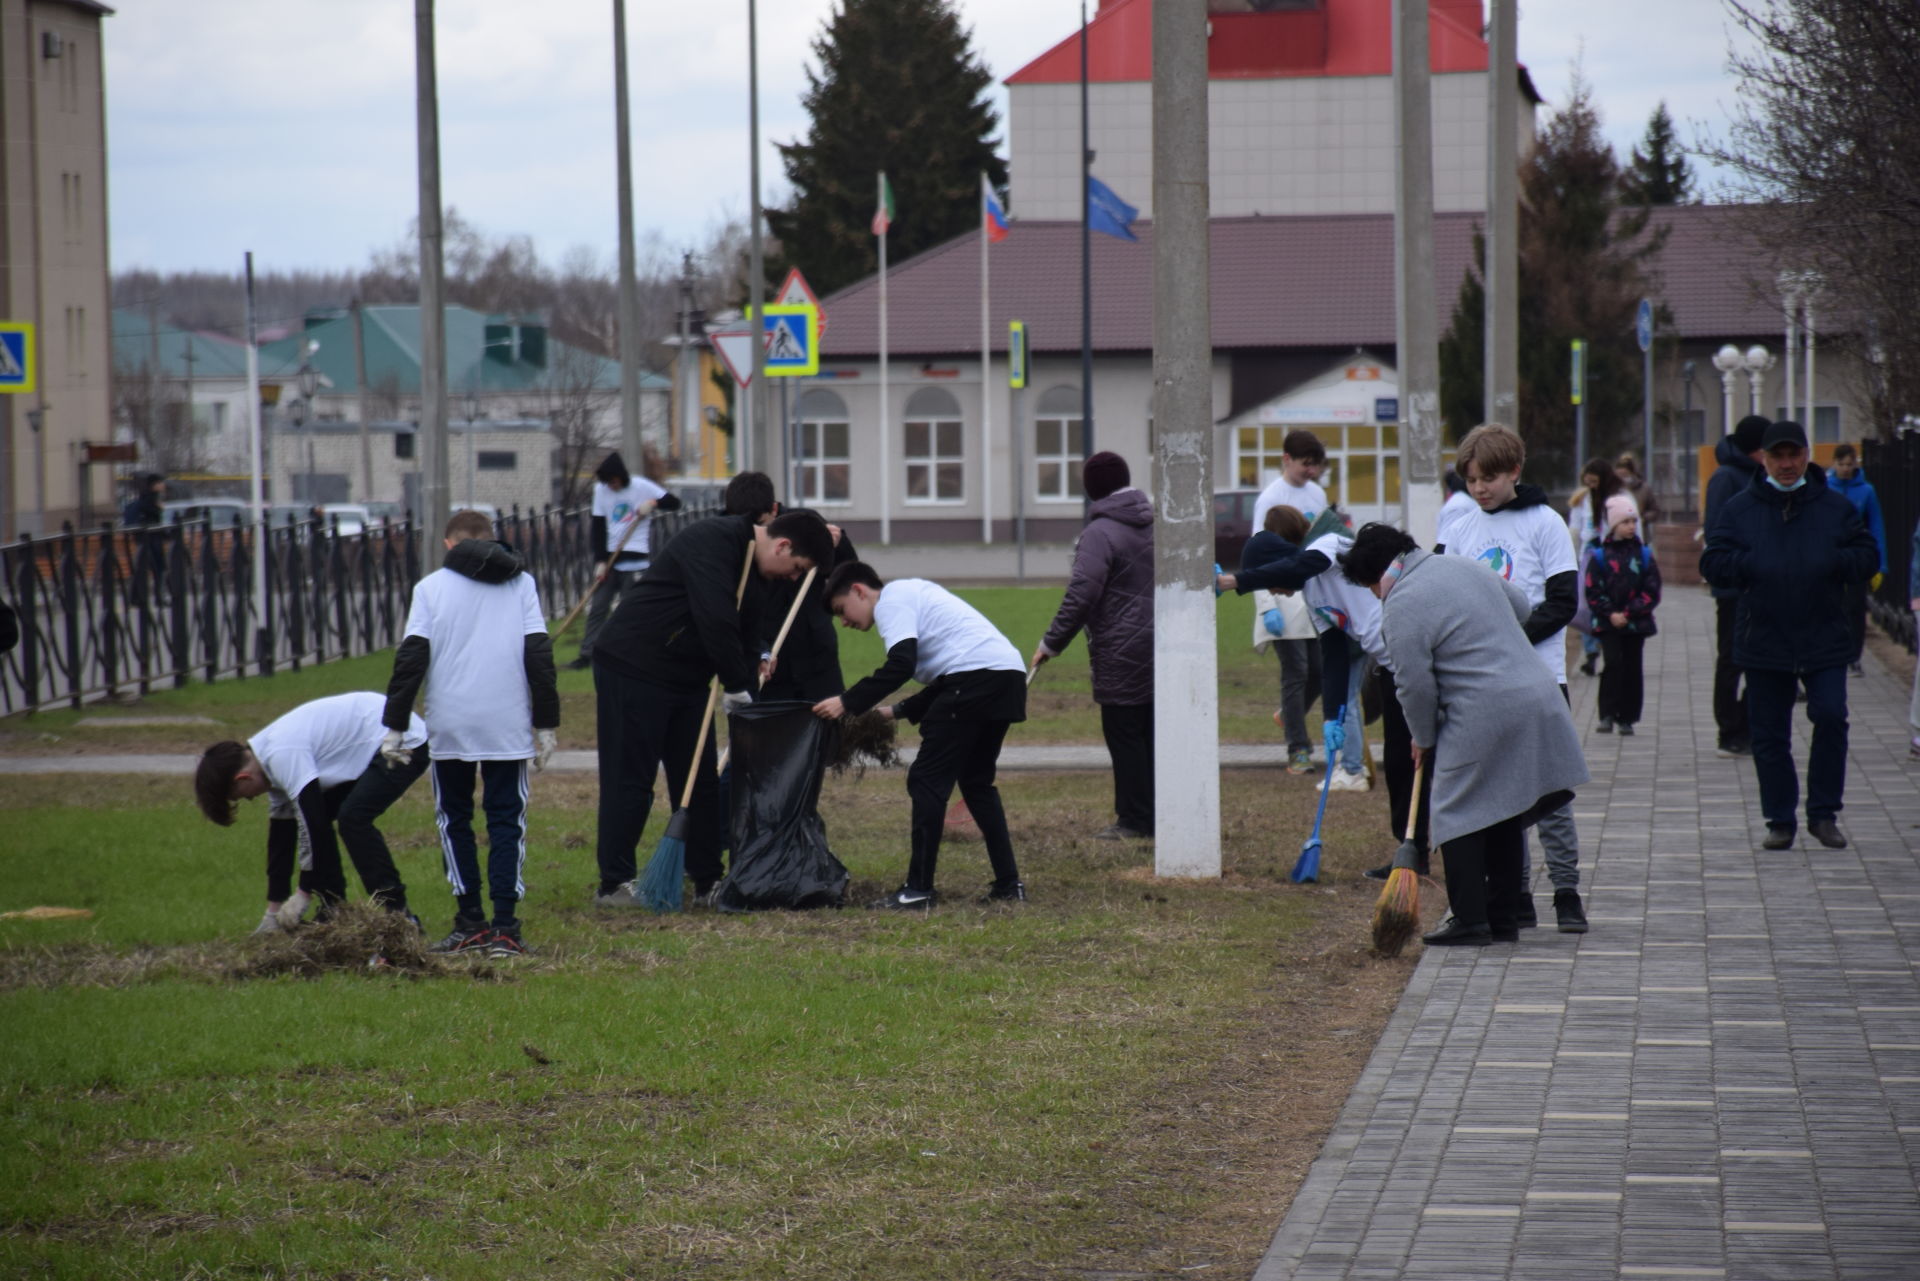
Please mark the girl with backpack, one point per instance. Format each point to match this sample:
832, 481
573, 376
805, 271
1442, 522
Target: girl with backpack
1623, 589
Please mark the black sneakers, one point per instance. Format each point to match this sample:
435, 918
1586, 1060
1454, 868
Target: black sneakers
1626, 729
1014, 893
1778, 837
1827, 832
467, 936
1524, 915
1566, 906
505, 945
1603, 726
906, 899
1733, 750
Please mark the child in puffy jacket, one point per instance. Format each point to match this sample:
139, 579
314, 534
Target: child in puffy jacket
1623, 589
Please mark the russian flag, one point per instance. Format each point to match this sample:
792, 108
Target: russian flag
992, 218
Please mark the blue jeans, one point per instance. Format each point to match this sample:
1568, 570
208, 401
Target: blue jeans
1770, 723
503, 795
1353, 756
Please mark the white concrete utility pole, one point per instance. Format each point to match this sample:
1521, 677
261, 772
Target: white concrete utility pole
366, 402
1186, 717
630, 443
434, 477
1502, 370
751, 424
1416, 329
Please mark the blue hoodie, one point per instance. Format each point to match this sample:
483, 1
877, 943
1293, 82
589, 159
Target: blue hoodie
1867, 503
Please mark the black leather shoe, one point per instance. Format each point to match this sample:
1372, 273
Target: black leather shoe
1827, 832
1567, 907
1626, 729
1524, 915
1504, 936
1454, 934
1778, 838
1603, 726
1014, 893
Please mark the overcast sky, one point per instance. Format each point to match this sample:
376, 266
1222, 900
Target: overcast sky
287, 127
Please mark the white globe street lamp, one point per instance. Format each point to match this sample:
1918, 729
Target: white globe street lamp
1727, 360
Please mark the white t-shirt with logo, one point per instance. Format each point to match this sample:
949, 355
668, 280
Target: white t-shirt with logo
1456, 506
1334, 602
478, 706
953, 636
617, 508
328, 741
1526, 546
1308, 499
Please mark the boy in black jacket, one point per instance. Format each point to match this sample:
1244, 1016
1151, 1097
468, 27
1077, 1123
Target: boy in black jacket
974, 689
677, 629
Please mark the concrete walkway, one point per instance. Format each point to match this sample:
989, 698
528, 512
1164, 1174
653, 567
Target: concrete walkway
1722, 1080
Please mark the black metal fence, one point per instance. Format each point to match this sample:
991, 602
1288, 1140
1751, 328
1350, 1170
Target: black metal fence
1894, 468
119, 612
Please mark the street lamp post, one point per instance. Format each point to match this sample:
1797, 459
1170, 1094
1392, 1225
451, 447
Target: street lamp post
1758, 361
308, 381
473, 412
1727, 360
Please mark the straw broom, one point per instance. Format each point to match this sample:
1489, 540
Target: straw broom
659, 887
1396, 917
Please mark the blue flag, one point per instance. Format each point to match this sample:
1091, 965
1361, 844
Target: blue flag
1107, 213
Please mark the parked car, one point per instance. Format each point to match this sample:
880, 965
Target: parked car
222, 511
350, 520
1232, 524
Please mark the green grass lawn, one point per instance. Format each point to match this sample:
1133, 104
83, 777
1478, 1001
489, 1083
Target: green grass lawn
1090, 1083
1060, 704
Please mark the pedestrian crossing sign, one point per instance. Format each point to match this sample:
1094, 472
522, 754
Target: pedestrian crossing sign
793, 340
16, 357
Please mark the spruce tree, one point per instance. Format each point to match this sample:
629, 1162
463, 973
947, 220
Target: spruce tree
1583, 270
898, 88
1659, 173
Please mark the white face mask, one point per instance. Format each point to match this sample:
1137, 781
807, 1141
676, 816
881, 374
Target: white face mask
1787, 489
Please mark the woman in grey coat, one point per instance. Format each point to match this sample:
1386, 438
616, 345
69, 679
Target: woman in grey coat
1490, 725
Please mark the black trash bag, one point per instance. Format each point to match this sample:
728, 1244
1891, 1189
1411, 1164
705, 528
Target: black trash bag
780, 857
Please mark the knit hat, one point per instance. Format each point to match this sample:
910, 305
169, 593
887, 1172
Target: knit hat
1103, 473
1620, 507
1746, 436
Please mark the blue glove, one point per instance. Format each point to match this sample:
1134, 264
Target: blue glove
1274, 622
1334, 733
1217, 571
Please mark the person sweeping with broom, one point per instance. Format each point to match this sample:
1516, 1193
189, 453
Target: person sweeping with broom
1486, 720
686, 630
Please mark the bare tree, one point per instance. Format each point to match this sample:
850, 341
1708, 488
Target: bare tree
156, 412
576, 399
1825, 135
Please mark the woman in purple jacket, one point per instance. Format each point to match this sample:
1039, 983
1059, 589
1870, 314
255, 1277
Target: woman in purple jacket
1111, 595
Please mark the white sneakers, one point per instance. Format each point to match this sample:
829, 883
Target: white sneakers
1345, 782
269, 924
293, 909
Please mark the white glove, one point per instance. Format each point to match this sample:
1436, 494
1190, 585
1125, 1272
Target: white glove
293, 909
391, 751
544, 741
733, 700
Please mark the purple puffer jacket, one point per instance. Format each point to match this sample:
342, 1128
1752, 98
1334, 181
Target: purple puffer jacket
1111, 595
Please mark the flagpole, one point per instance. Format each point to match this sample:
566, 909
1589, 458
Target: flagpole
986, 384
1086, 253
886, 432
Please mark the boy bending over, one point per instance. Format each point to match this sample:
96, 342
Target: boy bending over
975, 687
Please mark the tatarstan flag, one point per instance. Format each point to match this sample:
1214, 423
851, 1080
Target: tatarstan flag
883, 210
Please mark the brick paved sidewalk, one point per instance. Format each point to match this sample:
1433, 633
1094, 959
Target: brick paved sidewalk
1722, 1080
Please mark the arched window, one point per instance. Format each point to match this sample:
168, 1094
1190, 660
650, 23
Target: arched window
935, 454
825, 460
1059, 445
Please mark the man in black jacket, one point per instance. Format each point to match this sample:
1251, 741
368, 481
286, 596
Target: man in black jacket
690, 619
1788, 546
1738, 454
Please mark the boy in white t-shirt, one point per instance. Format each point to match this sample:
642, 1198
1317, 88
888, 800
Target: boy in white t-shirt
621, 529
477, 644
1302, 459
1514, 531
319, 765
974, 688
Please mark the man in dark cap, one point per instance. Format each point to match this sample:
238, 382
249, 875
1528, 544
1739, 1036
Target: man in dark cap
1787, 546
1738, 454
1110, 594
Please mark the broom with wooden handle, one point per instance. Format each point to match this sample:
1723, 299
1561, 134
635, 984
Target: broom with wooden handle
1396, 917
659, 888
633, 525
773, 655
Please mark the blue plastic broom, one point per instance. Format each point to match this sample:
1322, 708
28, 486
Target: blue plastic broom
1306, 868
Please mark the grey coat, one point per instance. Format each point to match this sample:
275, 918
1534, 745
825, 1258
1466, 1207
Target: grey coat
1476, 694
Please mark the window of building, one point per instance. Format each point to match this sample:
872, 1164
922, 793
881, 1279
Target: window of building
1825, 427
825, 456
496, 460
1059, 445
935, 453
403, 444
